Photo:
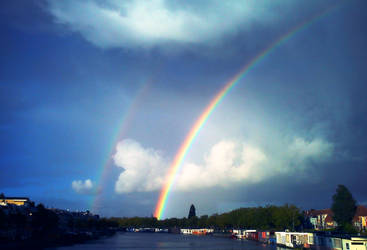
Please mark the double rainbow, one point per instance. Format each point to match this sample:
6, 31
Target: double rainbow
185, 146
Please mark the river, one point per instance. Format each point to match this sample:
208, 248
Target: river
166, 241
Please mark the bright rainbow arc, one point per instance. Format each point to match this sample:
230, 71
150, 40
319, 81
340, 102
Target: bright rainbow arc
185, 146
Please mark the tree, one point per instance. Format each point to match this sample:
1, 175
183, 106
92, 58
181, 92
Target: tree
2, 197
343, 207
192, 212
203, 221
3, 219
44, 221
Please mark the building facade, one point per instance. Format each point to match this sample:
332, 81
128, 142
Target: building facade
323, 218
360, 218
19, 201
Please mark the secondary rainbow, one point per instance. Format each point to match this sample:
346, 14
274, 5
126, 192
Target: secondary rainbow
194, 131
124, 126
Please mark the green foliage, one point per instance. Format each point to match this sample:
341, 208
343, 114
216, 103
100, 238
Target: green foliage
193, 221
349, 229
139, 222
269, 217
203, 221
343, 207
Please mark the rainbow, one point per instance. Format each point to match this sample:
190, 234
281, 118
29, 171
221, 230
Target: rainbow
123, 128
198, 125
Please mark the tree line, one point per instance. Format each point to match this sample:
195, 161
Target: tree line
261, 218
268, 218
38, 226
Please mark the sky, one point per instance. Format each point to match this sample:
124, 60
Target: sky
97, 96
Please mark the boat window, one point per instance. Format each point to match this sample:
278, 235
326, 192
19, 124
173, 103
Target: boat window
337, 243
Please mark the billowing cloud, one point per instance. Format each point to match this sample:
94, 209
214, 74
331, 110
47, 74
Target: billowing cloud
144, 168
83, 187
227, 163
141, 23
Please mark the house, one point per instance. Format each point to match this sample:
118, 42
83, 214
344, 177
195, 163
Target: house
329, 222
360, 218
321, 219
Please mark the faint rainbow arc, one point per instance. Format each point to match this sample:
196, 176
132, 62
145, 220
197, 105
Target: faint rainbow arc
199, 123
123, 128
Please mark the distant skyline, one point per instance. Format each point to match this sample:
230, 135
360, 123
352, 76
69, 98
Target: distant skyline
96, 98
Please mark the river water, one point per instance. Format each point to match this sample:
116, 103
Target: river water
167, 241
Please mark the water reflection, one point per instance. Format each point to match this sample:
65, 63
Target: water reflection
169, 241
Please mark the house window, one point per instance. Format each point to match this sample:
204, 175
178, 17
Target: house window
347, 244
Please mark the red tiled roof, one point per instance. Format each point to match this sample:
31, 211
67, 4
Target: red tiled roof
322, 211
361, 211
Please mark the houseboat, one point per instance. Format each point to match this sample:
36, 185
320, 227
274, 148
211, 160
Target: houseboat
266, 237
250, 234
325, 242
294, 239
201, 231
238, 234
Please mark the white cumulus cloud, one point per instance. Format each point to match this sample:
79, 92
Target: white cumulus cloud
143, 167
227, 163
83, 187
131, 23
